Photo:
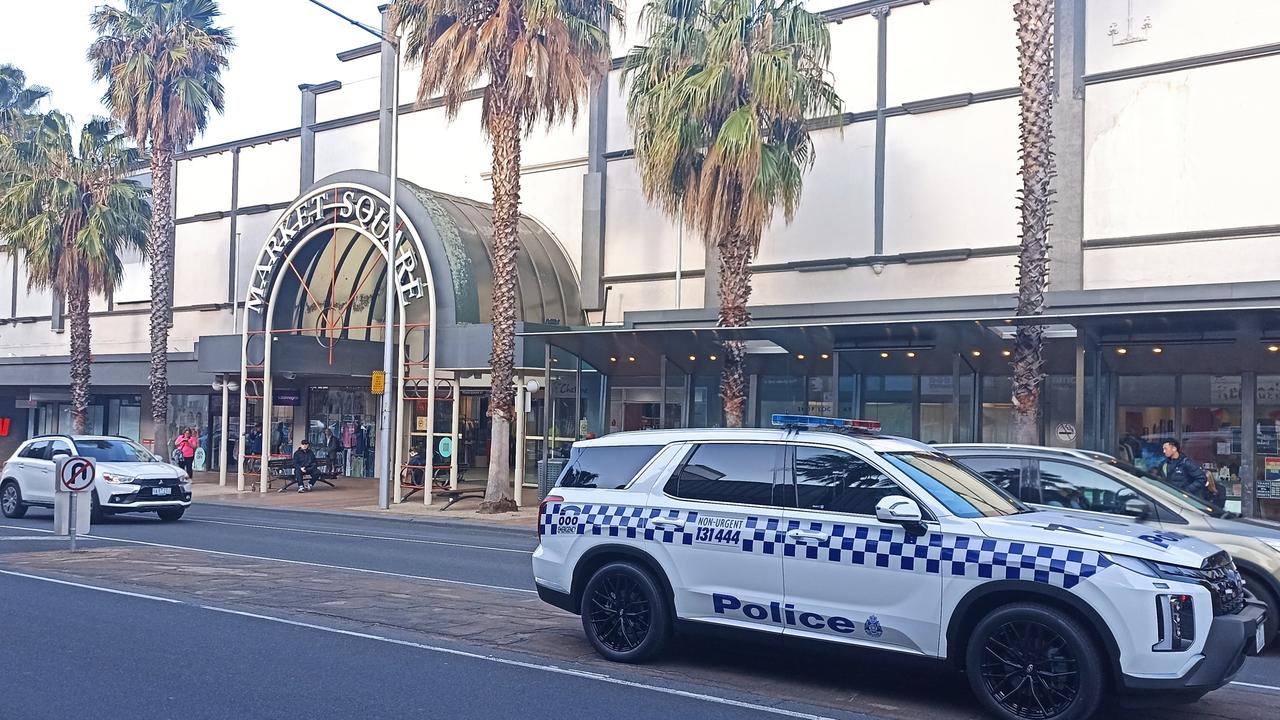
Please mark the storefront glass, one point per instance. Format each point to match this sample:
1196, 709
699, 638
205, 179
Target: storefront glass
1145, 418
707, 410
1267, 461
342, 424
937, 408
889, 399
1211, 428
189, 412
997, 410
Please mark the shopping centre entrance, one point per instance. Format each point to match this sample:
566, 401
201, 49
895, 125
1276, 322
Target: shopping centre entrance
308, 362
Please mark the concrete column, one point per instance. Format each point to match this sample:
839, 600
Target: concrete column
1066, 230
593, 198
1248, 444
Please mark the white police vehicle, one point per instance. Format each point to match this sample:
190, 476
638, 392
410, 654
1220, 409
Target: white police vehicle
884, 543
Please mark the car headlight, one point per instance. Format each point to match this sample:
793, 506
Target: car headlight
1142, 567
1153, 569
117, 479
1274, 544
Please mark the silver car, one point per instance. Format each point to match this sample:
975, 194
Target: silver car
1093, 482
129, 479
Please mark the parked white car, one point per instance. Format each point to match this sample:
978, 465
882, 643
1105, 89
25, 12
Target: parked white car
887, 544
129, 477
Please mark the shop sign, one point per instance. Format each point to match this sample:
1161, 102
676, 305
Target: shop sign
1269, 390
334, 206
288, 397
4, 426
420, 423
1269, 485
1066, 432
1224, 389
378, 383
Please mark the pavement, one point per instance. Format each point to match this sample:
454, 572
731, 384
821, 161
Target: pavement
273, 613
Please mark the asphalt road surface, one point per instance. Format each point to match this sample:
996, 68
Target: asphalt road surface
255, 667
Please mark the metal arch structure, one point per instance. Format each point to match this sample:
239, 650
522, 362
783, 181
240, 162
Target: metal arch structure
407, 264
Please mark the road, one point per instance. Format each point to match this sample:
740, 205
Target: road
315, 670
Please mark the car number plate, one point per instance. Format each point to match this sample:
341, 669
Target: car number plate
161, 491
1259, 637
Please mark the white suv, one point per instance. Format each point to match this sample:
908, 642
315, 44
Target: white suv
129, 479
884, 543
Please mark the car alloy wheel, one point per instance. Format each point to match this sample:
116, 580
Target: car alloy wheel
620, 613
1029, 670
9, 499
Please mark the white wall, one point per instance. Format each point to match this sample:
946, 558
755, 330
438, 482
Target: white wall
1182, 264
200, 262
269, 172
203, 184
950, 47
354, 147
1178, 29
1192, 150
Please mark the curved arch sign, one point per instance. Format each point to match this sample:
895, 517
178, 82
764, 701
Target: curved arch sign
346, 206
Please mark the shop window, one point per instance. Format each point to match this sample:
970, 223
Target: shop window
937, 408
342, 424
1267, 460
1145, 418
189, 412
1211, 429
728, 473
889, 399
997, 410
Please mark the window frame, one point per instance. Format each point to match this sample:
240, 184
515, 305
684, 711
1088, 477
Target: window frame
691, 449
926, 514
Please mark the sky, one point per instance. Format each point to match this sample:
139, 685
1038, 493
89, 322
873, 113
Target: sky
279, 45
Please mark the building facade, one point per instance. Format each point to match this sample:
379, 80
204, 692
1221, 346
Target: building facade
890, 296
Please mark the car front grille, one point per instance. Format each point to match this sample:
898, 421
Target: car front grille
1220, 577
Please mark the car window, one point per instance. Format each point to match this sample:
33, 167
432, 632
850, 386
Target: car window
837, 481
111, 450
1003, 472
58, 447
964, 493
728, 472
36, 450
1081, 488
609, 467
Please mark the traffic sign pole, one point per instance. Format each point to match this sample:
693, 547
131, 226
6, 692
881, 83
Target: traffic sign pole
74, 476
71, 526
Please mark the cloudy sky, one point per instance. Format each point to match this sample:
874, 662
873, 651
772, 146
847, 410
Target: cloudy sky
279, 44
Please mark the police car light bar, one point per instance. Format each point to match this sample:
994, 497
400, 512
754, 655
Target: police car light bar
817, 421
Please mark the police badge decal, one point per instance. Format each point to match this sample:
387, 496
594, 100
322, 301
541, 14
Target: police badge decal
872, 627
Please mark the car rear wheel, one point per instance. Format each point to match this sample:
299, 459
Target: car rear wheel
625, 613
11, 500
1030, 662
171, 514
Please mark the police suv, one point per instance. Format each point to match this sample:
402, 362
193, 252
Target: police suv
882, 542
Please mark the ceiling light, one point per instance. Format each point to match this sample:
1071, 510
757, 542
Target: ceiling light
711, 357
826, 356
1122, 351
977, 353
911, 354
1006, 353
1157, 350
1274, 348
800, 356
631, 358
613, 359
693, 358
884, 354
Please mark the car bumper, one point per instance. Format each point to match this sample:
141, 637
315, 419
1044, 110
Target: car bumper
133, 498
562, 600
1231, 639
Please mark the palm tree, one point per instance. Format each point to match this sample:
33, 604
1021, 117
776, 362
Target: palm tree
1035, 66
71, 213
18, 101
163, 61
539, 58
718, 100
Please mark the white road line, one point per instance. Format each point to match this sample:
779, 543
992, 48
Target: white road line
33, 537
1256, 685
362, 537
385, 573
91, 587
554, 669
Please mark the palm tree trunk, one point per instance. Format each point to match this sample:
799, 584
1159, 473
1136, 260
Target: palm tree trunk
78, 312
160, 252
734, 252
1035, 63
504, 130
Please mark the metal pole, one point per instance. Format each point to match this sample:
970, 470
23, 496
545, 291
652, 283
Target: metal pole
222, 446
454, 434
384, 429
71, 522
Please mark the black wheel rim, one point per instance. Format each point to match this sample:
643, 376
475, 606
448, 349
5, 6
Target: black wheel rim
1030, 670
9, 501
619, 612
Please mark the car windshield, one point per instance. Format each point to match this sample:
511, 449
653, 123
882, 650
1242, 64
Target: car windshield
964, 493
111, 450
1183, 496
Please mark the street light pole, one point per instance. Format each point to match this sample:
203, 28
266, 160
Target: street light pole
384, 459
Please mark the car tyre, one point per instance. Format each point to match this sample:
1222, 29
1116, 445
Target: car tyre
171, 514
11, 500
625, 613
95, 508
1030, 662
1263, 594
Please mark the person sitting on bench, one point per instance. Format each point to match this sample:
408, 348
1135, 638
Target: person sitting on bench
304, 464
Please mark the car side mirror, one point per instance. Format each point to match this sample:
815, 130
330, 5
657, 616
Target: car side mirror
901, 510
1138, 508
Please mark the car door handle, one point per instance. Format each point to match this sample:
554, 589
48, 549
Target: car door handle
667, 524
804, 535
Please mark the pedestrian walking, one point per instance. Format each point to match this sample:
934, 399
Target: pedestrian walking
186, 445
304, 466
1185, 474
